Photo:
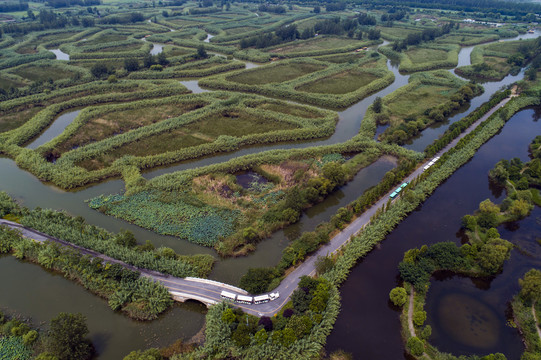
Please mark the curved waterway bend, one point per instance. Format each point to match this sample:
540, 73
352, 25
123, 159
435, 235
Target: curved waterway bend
368, 325
55, 129
60, 55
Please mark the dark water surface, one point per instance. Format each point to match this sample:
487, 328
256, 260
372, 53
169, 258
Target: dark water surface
368, 325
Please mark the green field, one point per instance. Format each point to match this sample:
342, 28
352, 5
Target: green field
319, 43
415, 101
394, 33
341, 83
232, 123
274, 74
291, 109
6, 83
118, 122
423, 55
120, 48
342, 58
14, 120
102, 39
42, 73
239, 30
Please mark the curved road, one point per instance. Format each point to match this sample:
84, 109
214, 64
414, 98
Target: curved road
208, 291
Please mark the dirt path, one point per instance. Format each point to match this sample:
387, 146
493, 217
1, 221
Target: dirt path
536, 321
410, 314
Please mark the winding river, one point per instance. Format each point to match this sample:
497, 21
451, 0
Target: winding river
365, 290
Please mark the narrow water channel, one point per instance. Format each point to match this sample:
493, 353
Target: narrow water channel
368, 325
55, 129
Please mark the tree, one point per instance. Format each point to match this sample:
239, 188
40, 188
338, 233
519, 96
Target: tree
228, 316
324, 264
67, 337
131, 64
415, 346
398, 296
99, 70
419, 317
377, 105
520, 208
266, 322
150, 354
201, 52
531, 285
125, 238
335, 172
493, 254
256, 280
426, 332
469, 222
162, 60
148, 61
488, 206
317, 9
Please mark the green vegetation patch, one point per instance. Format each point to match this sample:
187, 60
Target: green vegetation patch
275, 74
13, 120
342, 58
173, 214
203, 131
240, 30
120, 48
42, 73
319, 43
13, 347
422, 55
122, 120
495, 61
321, 86
340, 83
7, 83
291, 109
102, 39
429, 97
396, 33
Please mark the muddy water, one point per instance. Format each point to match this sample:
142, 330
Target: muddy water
369, 326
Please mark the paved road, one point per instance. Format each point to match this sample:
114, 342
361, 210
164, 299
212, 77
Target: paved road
209, 291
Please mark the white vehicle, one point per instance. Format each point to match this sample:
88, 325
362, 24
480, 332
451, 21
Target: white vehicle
274, 296
261, 299
226, 295
426, 167
241, 299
